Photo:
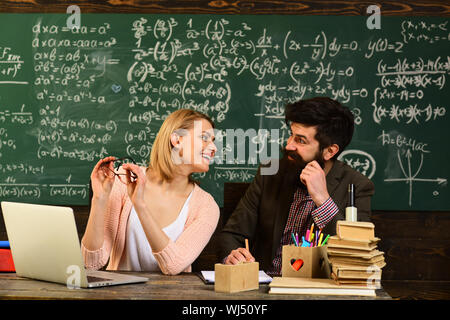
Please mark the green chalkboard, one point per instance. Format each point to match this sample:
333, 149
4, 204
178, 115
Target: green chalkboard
69, 97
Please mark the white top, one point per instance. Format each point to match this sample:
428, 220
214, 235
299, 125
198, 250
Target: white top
137, 255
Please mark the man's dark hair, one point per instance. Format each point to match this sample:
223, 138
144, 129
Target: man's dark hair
334, 122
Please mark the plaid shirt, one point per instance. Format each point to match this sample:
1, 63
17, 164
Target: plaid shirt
302, 211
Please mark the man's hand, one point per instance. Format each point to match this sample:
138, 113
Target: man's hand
239, 255
315, 180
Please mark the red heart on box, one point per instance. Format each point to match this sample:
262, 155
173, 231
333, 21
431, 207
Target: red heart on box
297, 264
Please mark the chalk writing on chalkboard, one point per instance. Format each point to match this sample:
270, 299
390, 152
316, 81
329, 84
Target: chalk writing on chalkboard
71, 96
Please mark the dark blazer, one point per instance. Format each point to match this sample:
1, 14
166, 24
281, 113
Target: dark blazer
261, 214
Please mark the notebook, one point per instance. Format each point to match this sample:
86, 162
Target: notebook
45, 246
209, 277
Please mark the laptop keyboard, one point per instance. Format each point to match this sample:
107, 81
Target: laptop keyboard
91, 279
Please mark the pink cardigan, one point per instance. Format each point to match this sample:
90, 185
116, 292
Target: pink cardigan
176, 257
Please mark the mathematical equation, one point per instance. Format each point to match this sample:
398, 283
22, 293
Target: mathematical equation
36, 191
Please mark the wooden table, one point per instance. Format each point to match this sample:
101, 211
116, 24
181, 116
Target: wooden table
186, 286
417, 289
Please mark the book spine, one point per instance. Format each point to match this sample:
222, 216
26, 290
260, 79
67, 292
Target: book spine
6, 261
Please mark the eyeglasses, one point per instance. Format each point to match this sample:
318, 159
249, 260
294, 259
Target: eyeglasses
117, 164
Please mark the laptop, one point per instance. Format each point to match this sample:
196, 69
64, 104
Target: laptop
45, 246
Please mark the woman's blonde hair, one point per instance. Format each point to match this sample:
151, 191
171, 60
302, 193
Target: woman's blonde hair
161, 162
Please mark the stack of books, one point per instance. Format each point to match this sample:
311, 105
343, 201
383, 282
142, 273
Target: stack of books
317, 286
353, 255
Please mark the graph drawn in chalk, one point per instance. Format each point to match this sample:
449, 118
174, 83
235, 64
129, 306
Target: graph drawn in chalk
410, 178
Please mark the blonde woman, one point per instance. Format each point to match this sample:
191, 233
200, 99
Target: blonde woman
155, 218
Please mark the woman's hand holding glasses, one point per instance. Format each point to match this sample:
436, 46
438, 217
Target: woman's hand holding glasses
106, 173
135, 181
101, 179
107, 170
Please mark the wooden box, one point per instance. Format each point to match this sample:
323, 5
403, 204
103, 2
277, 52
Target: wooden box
314, 262
235, 278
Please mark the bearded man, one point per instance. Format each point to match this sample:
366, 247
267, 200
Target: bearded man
310, 187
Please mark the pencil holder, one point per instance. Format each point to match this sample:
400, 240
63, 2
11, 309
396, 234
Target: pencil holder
234, 278
305, 262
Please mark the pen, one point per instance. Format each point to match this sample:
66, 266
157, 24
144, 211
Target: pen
296, 238
325, 241
246, 245
293, 238
311, 231
320, 240
351, 212
351, 195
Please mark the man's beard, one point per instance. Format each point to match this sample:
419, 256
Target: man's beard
293, 167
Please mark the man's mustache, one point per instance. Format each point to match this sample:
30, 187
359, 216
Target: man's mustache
297, 161
294, 158
294, 155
